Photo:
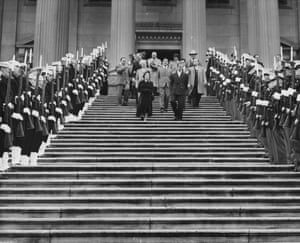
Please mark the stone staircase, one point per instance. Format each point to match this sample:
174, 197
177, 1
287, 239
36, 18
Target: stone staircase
114, 178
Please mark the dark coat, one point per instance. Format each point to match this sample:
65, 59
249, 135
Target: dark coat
145, 105
179, 85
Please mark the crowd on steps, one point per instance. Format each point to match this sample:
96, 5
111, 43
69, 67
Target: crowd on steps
35, 103
268, 100
171, 80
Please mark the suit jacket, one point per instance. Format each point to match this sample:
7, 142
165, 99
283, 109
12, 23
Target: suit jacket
164, 77
123, 75
154, 65
201, 79
179, 84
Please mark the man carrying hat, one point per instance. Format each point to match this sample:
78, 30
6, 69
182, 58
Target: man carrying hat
197, 82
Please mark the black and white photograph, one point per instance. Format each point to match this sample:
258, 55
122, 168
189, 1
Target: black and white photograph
149, 121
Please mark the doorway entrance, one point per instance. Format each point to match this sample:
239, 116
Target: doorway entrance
161, 53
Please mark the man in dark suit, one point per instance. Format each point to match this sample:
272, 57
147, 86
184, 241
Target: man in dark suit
178, 90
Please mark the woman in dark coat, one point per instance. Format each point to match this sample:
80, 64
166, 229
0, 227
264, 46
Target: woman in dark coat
145, 90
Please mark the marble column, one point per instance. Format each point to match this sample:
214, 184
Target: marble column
51, 30
252, 26
194, 28
263, 26
122, 40
73, 26
243, 28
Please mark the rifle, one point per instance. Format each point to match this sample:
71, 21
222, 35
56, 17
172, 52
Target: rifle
69, 107
264, 122
242, 97
36, 105
288, 121
258, 119
8, 136
295, 134
283, 108
26, 111
59, 95
61, 103
20, 126
45, 131
252, 114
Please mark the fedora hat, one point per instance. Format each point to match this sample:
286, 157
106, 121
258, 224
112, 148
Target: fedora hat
193, 52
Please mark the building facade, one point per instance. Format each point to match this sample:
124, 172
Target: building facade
55, 27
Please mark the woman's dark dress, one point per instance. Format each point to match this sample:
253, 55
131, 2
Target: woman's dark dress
145, 103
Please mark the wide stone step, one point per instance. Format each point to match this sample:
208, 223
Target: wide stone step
149, 222
121, 116
134, 155
154, 140
151, 132
160, 166
148, 191
151, 119
155, 107
132, 182
139, 125
153, 148
151, 236
156, 111
134, 129
155, 104
112, 103
147, 211
148, 175
153, 159
157, 114
65, 146
153, 136
151, 201
134, 122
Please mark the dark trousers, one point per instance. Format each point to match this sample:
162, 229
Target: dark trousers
123, 95
178, 102
196, 99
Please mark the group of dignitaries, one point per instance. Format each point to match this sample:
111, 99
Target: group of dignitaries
36, 102
172, 80
268, 100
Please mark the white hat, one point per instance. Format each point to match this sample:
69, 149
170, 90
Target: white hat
5, 65
193, 52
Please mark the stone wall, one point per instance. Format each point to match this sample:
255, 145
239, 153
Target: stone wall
159, 14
